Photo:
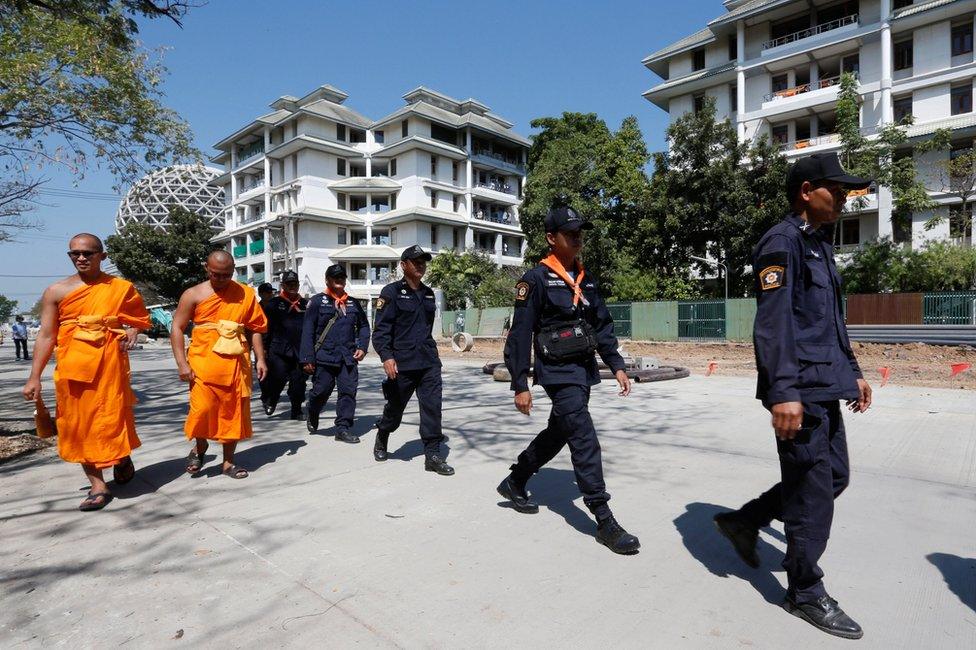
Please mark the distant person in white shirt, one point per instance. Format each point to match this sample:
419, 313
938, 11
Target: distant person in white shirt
20, 337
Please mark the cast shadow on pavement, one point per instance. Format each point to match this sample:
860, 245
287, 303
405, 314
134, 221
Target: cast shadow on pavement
360, 426
959, 574
556, 490
253, 458
708, 546
415, 449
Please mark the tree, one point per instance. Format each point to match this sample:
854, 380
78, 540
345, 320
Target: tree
883, 266
167, 262
471, 279
78, 89
957, 178
7, 307
875, 267
35, 311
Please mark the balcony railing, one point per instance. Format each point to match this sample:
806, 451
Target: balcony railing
811, 31
240, 251
257, 278
254, 216
247, 187
490, 155
496, 186
249, 151
257, 247
827, 138
498, 216
803, 88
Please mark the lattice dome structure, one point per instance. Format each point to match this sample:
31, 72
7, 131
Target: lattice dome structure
187, 186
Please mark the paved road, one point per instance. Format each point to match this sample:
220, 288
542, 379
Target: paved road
323, 547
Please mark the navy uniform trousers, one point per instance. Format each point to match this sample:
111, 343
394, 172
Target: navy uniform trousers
569, 424
815, 470
327, 378
284, 368
426, 382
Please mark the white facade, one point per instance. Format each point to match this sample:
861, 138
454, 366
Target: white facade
772, 67
314, 183
150, 199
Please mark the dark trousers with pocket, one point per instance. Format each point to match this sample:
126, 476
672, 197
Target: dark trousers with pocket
426, 382
327, 378
815, 470
569, 424
21, 344
282, 369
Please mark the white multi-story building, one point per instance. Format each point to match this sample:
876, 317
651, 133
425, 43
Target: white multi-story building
772, 67
314, 183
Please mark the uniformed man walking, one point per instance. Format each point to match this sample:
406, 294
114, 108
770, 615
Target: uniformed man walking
806, 365
334, 340
286, 314
560, 314
402, 337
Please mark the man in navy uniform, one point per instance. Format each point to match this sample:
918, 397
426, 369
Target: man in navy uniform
806, 366
286, 314
334, 340
560, 314
402, 337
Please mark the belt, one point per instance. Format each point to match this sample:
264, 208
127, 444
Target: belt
230, 337
93, 329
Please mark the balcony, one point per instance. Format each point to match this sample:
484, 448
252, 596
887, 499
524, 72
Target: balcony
249, 187
249, 151
257, 278
811, 31
240, 251
503, 217
257, 247
498, 161
829, 82
827, 138
253, 216
497, 187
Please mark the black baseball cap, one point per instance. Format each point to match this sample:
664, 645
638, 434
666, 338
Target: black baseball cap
415, 252
336, 271
566, 219
821, 167
265, 286
289, 276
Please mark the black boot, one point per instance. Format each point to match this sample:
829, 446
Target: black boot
379, 447
614, 537
269, 405
515, 492
296, 414
741, 533
826, 615
312, 421
437, 464
344, 436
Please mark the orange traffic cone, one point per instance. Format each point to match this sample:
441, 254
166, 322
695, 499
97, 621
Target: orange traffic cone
959, 367
885, 373
712, 366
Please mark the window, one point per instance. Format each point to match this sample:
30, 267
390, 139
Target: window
433, 198
903, 55
903, 108
403, 129
378, 137
961, 99
393, 236
851, 63
780, 82
849, 233
341, 166
901, 4
457, 203
443, 134
433, 235
393, 201
781, 134
733, 47
357, 136
393, 171
454, 172
960, 225
901, 227
341, 132
456, 238
343, 236
698, 60
962, 39
734, 97
433, 166
341, 200
699, 103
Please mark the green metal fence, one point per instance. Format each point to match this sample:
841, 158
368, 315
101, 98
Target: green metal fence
955, 308
622, 325
702, 320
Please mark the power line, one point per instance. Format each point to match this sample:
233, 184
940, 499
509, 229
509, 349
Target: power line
3, 275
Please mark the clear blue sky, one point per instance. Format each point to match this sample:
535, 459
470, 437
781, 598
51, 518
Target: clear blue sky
524, 59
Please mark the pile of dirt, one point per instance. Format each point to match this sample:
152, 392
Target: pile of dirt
909, 364
14, 444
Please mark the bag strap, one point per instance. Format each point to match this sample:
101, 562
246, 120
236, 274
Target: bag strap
328, 326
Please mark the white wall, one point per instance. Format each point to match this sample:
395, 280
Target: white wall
931, 48
931, 103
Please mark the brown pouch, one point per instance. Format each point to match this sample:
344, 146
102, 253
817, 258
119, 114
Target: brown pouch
43, 421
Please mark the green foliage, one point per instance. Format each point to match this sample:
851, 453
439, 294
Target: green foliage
77, 88
166, 262
7, 307
644, 286
35, 311
882, 266
471, 277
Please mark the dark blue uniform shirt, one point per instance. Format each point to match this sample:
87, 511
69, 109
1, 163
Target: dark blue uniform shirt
803, 353
404, 322
349, 333
284, 326
542, 299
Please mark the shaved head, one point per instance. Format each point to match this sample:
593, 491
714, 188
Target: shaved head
220, 269
220, 258
95, 242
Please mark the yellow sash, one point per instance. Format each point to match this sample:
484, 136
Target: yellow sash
93, 329
230, 337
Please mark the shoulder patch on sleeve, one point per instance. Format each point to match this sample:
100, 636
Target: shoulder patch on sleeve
380, 303
771, 277
522, 290
771, 269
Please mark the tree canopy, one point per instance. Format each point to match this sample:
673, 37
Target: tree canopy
7, 307
472, 279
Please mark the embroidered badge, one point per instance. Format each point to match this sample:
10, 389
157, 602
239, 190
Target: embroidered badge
380, 302
771, 277
521, 290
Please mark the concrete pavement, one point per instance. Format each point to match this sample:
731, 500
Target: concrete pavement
323, 547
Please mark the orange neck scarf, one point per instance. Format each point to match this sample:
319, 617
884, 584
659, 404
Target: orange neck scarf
340, 300
557, 267
293, 305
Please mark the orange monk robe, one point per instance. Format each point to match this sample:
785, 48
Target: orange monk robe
220, 357
91, 380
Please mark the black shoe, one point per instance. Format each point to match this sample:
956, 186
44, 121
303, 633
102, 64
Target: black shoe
614, 537
345, 436
296, 415
826, 615
741, 533
312, 422
269, 406
516, 493
379, 447
437, 464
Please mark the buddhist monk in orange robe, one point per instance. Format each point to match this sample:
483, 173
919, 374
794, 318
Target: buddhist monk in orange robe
226, 316
93, 319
